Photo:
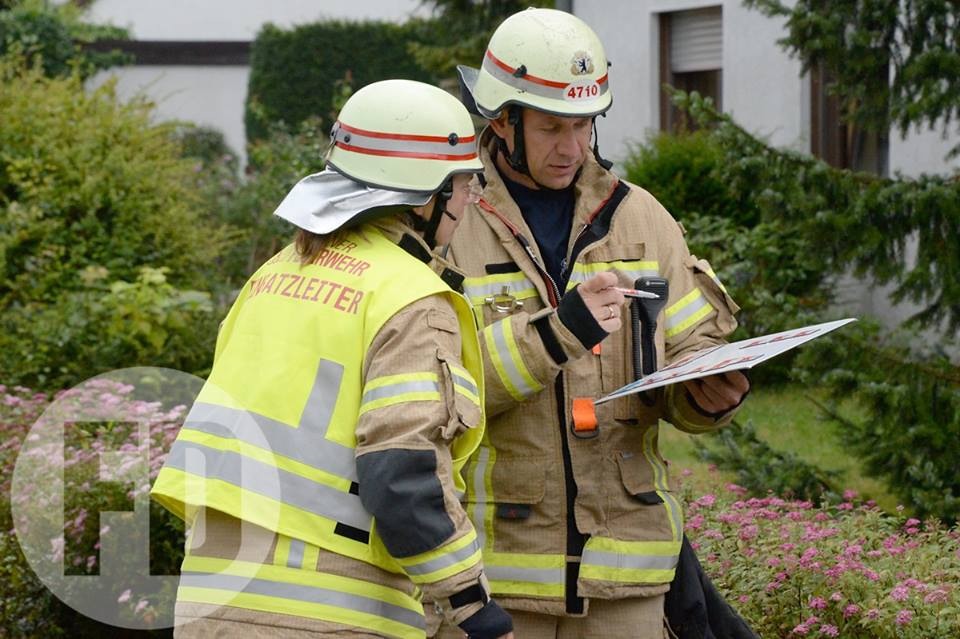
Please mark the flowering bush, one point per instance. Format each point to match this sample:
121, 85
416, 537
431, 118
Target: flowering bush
837, 570
38, 503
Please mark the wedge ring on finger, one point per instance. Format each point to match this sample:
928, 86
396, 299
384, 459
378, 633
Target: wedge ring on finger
613, 313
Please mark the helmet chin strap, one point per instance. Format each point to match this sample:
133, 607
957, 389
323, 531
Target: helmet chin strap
428, 227
607, 164
517, 160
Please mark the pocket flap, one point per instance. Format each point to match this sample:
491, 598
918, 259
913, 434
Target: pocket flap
637, 477
519, 481
463, 400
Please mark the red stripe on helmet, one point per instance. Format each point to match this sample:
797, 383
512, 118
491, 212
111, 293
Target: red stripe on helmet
529, 78
403, 136
405, 154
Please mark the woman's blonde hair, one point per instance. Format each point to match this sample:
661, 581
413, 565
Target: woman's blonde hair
310, 244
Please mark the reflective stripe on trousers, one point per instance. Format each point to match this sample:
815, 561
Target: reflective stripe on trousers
304, 593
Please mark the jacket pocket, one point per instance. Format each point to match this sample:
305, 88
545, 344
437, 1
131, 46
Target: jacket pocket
518, 485
637, 478
461, 395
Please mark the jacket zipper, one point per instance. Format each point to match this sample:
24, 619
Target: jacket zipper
575, 539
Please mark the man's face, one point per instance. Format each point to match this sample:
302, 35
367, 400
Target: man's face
556, 147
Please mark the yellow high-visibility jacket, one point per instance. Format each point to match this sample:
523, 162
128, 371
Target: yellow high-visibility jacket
313, 378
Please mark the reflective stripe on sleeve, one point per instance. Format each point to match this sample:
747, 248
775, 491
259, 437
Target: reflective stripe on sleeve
686, 312
713, 276
443, 562
464, 383
507, 361
398, 389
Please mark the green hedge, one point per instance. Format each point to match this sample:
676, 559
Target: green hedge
54, 36
293, 73
102, 235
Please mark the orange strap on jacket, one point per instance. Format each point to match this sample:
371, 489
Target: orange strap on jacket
584, 415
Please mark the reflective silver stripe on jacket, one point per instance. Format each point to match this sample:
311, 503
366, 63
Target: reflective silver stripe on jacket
400, 388
306, 442
466, 384
304, 593
505, 353
683, 310
258, 477
443, 561
531, 575
632, 562
477, 289
480, 494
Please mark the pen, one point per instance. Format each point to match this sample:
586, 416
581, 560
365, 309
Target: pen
632, 292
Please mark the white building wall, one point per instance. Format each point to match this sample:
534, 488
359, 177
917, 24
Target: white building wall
215, 95
237, 19
211, 96
762, 86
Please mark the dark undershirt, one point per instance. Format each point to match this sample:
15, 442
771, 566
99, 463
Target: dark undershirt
549, 214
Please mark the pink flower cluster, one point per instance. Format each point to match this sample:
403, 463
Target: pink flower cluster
70, 433
862, 573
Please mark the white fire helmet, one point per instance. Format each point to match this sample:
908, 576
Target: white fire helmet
395, 144
544, 59
403, 135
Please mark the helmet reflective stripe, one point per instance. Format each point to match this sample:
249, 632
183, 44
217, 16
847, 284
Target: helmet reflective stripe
403, 135
423, 147
531, 83
542, 59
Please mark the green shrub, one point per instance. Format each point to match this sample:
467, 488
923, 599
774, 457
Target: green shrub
724, 198
293, 72
87, 182
54, 35
108, 325
910, 394
685, 173
275, 164
761, 469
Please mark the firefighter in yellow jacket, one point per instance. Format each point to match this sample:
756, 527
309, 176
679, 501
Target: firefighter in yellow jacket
318, 470
572, 502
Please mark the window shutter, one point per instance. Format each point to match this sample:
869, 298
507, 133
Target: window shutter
696, 40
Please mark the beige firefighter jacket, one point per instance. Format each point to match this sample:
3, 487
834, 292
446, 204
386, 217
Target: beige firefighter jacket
520, 483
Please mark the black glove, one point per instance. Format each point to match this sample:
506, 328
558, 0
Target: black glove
489, 622
578, 319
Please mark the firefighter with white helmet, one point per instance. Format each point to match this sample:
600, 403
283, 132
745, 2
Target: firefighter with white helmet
579, 528
318, 469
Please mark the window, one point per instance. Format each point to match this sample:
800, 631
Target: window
691, 54
838, 143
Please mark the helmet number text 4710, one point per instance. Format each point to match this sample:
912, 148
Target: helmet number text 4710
583, 90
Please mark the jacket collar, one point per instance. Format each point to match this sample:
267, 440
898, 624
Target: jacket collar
398, 231
592, 188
